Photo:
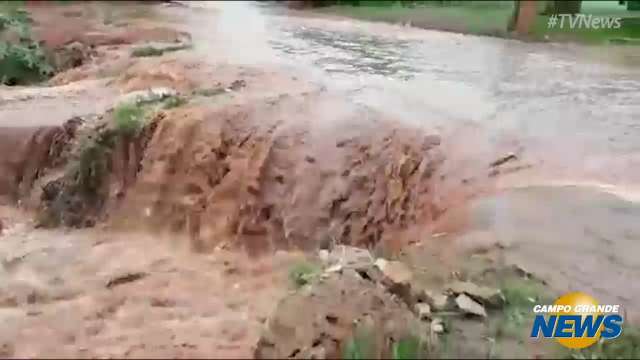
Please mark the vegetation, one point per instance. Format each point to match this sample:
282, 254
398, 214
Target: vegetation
93, 163
495, 18
520, 295
22, 60
407, 348
303, 273
627, 346
129, 118
362, 345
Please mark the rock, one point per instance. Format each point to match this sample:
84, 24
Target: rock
469, 306
339, 303
437, 301
150, 95
334, 268
1, 226
324, 255
316, 352
395, 271
437, 326
423, 311
396, 277
350, 257
488, 296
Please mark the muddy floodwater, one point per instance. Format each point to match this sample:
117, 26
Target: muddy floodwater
295, 122
569, 112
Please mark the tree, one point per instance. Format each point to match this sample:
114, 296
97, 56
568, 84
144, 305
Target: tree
524, 15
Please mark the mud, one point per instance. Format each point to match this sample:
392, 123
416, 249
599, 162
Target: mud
55, 301
30, 152
317, 322
259, 159
104, 162
239, 174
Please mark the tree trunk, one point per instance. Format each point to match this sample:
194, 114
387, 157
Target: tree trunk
514, 16
527, 11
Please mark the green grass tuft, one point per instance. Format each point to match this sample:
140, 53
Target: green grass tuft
407, 348
129, 118
627, 346
303, 273
360, 346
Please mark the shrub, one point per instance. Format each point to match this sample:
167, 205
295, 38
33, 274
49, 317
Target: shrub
22, 61
129, 118
302, 273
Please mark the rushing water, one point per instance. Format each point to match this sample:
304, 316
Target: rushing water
570, 111
576, 113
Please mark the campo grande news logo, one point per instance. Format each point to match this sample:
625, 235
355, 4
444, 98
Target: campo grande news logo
577, 321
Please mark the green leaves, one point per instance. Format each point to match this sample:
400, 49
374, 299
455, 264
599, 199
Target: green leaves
23, 60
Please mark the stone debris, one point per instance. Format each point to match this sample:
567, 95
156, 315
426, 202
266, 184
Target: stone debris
324, 255
469, 306
395, 271
149, 95
318, 321
488, 296
348, 256
437, 301
423, 311
437, 326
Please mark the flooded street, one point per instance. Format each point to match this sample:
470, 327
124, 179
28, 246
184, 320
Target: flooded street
567, 112
572, 114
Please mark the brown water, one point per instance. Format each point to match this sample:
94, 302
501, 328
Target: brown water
568, 111
565, 112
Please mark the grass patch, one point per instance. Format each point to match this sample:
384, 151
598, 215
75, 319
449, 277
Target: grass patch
466, 17
492, 18
520, 297
630, 29
303, 273
130, 117
148, 51
409, 347
361, 346
627, 346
